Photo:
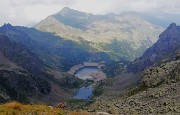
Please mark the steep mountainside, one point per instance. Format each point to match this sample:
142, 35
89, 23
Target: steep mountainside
166, 48
54, 51
123, 36
158, 93
25, 76
21, 73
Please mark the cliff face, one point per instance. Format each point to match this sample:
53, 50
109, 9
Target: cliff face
21, 56
21, 74
166, 48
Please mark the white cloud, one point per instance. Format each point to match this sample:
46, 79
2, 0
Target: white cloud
24, 12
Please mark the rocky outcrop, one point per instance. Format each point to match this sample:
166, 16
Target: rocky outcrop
163, 99
165, 73
17, 84
157, 93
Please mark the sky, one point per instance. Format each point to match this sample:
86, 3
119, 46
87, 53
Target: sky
30, 12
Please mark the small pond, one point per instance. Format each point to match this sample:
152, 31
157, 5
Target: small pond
84, 93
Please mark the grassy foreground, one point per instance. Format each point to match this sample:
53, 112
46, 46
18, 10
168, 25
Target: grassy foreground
16, 108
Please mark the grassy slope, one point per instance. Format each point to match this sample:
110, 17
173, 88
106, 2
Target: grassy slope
14, 108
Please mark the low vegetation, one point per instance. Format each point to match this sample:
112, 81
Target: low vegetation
14, 108
136, 90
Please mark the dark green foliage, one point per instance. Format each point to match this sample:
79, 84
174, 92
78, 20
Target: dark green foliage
70, 101
98, 89
22, 98
2, 100
113, 69
136, 90
121, 50
71, 82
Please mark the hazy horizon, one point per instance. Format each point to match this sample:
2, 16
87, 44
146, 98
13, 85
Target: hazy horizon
29, 12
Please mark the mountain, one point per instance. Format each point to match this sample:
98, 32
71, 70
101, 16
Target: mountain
166, 48
166, 17
33, 65
152, 18
154, 89
55, 52
122, 37
21, 73
158, 92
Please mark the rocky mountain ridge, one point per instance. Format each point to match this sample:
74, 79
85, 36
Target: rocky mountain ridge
163, 50
121, 36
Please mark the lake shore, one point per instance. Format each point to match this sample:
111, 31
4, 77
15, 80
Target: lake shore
73, 69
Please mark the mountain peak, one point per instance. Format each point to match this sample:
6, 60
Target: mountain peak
66, 8
170, 31
7, 26
66, 11
172, 25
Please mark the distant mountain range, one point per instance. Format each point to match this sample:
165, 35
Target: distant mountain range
160, 19
122, 37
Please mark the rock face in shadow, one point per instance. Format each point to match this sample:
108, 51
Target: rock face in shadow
166, 48
21, 73
20, 55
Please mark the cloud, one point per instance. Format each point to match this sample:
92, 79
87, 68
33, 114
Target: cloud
42, 2
26, 12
